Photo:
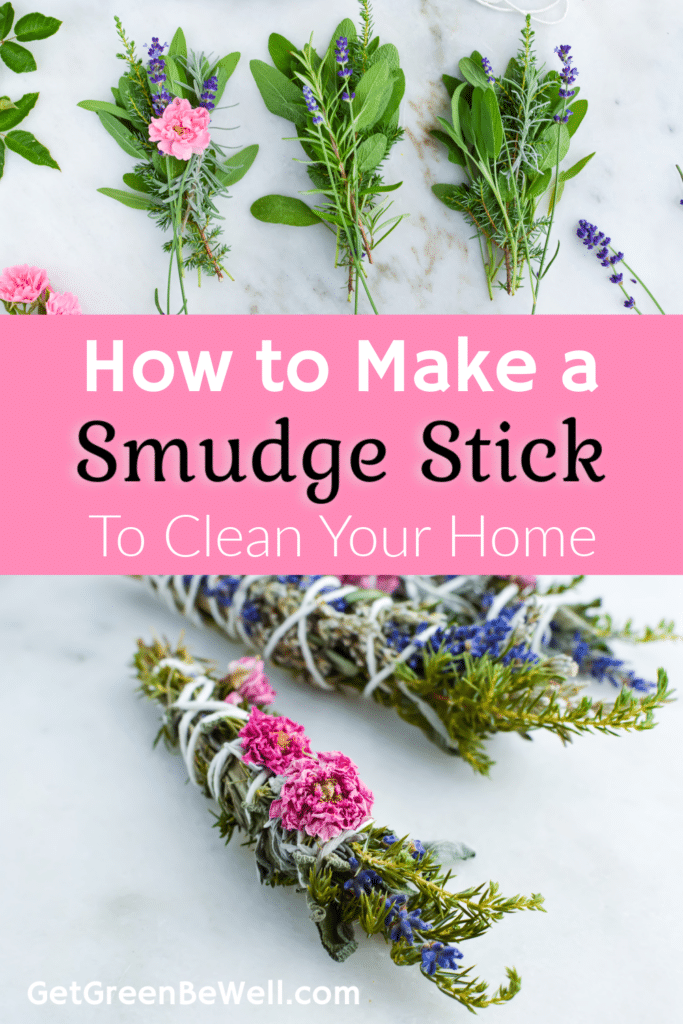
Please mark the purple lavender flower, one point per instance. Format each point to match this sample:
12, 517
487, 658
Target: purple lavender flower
568, 74
563, 118
364, 882
435, 954
312, 104
156, 67
630, 302
341, 51
488, 69
617, 278
349, 97
208, 95
402, 923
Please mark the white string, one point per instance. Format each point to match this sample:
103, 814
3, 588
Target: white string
500, 600
350, 833
507, 7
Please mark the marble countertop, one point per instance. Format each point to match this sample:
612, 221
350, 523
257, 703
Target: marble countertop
112, 872
628, 54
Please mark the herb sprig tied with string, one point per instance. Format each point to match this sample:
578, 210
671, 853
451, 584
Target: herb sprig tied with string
305, 815
345, 108
161, 116
510, 134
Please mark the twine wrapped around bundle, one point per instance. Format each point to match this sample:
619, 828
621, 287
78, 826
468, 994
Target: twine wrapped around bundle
306, 817
461, 657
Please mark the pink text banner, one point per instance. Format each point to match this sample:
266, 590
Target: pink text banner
418, 444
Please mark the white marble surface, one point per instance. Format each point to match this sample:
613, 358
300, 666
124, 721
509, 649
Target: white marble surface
628, 53
111, 870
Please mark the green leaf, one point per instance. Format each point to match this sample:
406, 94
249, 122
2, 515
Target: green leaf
2, 157
136, 181
178, 48
371, 152
117, 96
17, 58
375, 189
372, 95
107, 108
539, 184
455, 153
236, 166
451, 84
576, 168
387, 53
578, 113
6, 103
284, 210
548, 139
6, 19
491, 122
280, 96
128, 199
35, 26
390, 113
446, 193
455, 113
222, 71
281, 50
13, 116
120, 133
473, 73
27, 145
127, 91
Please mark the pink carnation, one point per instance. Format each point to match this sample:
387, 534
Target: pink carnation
62, 304
387, 584
323, 797
181, 130
272, 741
23, 283
251, 682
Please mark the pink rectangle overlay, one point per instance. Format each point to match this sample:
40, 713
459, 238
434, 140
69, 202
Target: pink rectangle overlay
482, 520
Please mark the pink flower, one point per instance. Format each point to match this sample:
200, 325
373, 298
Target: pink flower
387, 584
181, 130
62, 304
521, 581
23, 283
250, 681
323, 797
272, 741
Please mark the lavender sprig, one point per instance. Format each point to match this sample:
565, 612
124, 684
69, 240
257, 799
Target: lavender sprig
592, 238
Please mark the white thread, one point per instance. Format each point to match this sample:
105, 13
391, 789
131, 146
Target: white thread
430, 715
192, 705
331, 845
507, 7
406, 653
500, 600
256, 783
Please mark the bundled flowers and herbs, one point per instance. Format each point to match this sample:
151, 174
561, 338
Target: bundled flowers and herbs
161, 116
510, 133
460, 657
306, 815
20, 60
25, 290
344, 106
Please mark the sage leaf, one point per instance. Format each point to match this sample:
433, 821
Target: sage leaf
17, 58
25, 144
6, 19
388, 53
136, 181
120, 133
473, 73
223, 70
178, 48
284, 210
372, 95
455, 153
539, 184
576, 168
13, 116
280, 96
236, 166
107, 108
35, 26
390, 113
281, 50
371, 152
578, 113
548, 139
446, 193
127, 198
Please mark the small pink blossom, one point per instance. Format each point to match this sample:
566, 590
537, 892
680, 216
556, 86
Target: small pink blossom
273, 741
62, 304
181, 130
521, 581
23, 283
323, 798
387, 584
250, 681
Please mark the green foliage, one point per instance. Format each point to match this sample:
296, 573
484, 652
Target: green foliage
344, 141
179, 195
20, 60
503, 134
399, 868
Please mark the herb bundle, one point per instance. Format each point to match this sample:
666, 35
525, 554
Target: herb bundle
306, 817
460, 657
161, 116
20, 60
344, 106
510, 133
